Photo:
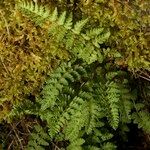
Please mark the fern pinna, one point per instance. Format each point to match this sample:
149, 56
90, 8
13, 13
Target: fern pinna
79, 41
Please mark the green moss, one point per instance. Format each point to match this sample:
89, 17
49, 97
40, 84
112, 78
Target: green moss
27, 56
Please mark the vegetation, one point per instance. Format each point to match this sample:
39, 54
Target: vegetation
74, 74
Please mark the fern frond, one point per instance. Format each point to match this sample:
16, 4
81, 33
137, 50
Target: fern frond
142, 118
90, 34
62, 18
60, 78
113, 97
23, 108
69, 22
95, 114
71, 115
79, 25
65, 34
41, 13
76, 144
54, 15
38, 139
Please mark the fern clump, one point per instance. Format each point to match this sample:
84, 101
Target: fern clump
87, 113
65, 65
86, 109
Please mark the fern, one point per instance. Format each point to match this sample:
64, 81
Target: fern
25, 108
38, 139
113, 95
141, 117
61, 78
62, 31
80, 109
83, 109
86, 101
76, 144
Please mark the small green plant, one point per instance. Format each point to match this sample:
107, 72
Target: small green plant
38, 139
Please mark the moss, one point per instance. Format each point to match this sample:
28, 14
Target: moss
27, 56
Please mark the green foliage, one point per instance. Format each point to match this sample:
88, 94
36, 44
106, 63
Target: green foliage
85, 101
129, 24
141, 117
83, 45
38, 139
61, 78
84, 115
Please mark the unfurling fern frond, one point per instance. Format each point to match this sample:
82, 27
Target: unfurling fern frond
64, 33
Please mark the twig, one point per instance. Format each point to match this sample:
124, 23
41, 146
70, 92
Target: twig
17, 136
56, 147
148, 79
9, 147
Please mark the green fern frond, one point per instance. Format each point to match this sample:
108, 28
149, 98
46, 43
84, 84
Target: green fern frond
95, 113
23, 108
113, 97
63, 32
79, 25
90, 34
71, 115
109, 146
76, 144
142, 118
38, 139
58, 80
69, 22
54, 15
41, 13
